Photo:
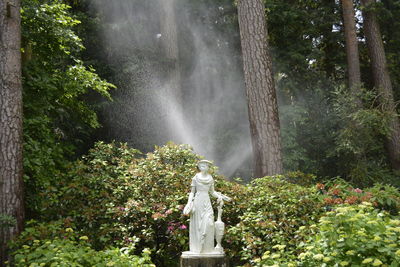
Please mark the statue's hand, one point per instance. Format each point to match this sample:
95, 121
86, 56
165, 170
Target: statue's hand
187, 209
223, 197
226, 198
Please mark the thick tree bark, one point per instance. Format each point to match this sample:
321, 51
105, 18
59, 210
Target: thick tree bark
169, 40
260, 88
353, 60
381, 78
11, 195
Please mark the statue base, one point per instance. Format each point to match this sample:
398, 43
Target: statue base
213, 259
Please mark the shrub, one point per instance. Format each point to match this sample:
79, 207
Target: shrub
58, 244
273, 211
300, 178
352, 236
332, 195
60, 252
35, 230
117, 197
386, 197
337, 191
360, 133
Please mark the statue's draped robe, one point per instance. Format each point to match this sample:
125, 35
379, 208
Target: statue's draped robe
201, 237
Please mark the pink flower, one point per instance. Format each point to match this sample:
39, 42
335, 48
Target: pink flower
351, 199
170, 228
358, 190
157, 215
168, 212
183, 227
338, 201
329, 201
335, 191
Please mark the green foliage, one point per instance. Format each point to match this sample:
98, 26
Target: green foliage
323, 133
116, 197
35, 230
360, 138
386, 197
56, 116
308, 127
300, 178
304, 46
7, 221
279, 216
273, 210
130, 56
338, 191
333, 135
292, 118
47, 28
308, 60
361, 126
353, 236
63, 247
60, 252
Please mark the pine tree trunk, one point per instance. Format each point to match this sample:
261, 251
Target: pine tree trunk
260, 88
353, 60
169, 40
381, 78
11, 192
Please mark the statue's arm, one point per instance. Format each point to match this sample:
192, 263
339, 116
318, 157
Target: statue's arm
218, 194
189, 206
191, 194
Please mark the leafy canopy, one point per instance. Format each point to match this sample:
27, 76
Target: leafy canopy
55, 81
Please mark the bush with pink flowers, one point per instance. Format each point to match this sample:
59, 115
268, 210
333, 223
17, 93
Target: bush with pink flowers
337, 191
118, 197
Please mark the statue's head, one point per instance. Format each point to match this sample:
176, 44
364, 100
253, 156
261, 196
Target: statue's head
204, 165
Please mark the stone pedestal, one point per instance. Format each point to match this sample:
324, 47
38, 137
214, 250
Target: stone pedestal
204, 261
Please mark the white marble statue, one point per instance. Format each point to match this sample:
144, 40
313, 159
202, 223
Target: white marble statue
202, 228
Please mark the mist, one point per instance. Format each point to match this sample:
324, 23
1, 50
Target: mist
211, 114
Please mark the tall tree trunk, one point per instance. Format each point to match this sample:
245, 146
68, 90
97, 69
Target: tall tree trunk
353, 60
353, 66
11, 192
260, 88
381, 78
169, 40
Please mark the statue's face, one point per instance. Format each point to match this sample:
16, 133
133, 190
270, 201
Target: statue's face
203, 167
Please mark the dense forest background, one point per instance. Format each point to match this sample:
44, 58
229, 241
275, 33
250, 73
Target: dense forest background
121, 41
